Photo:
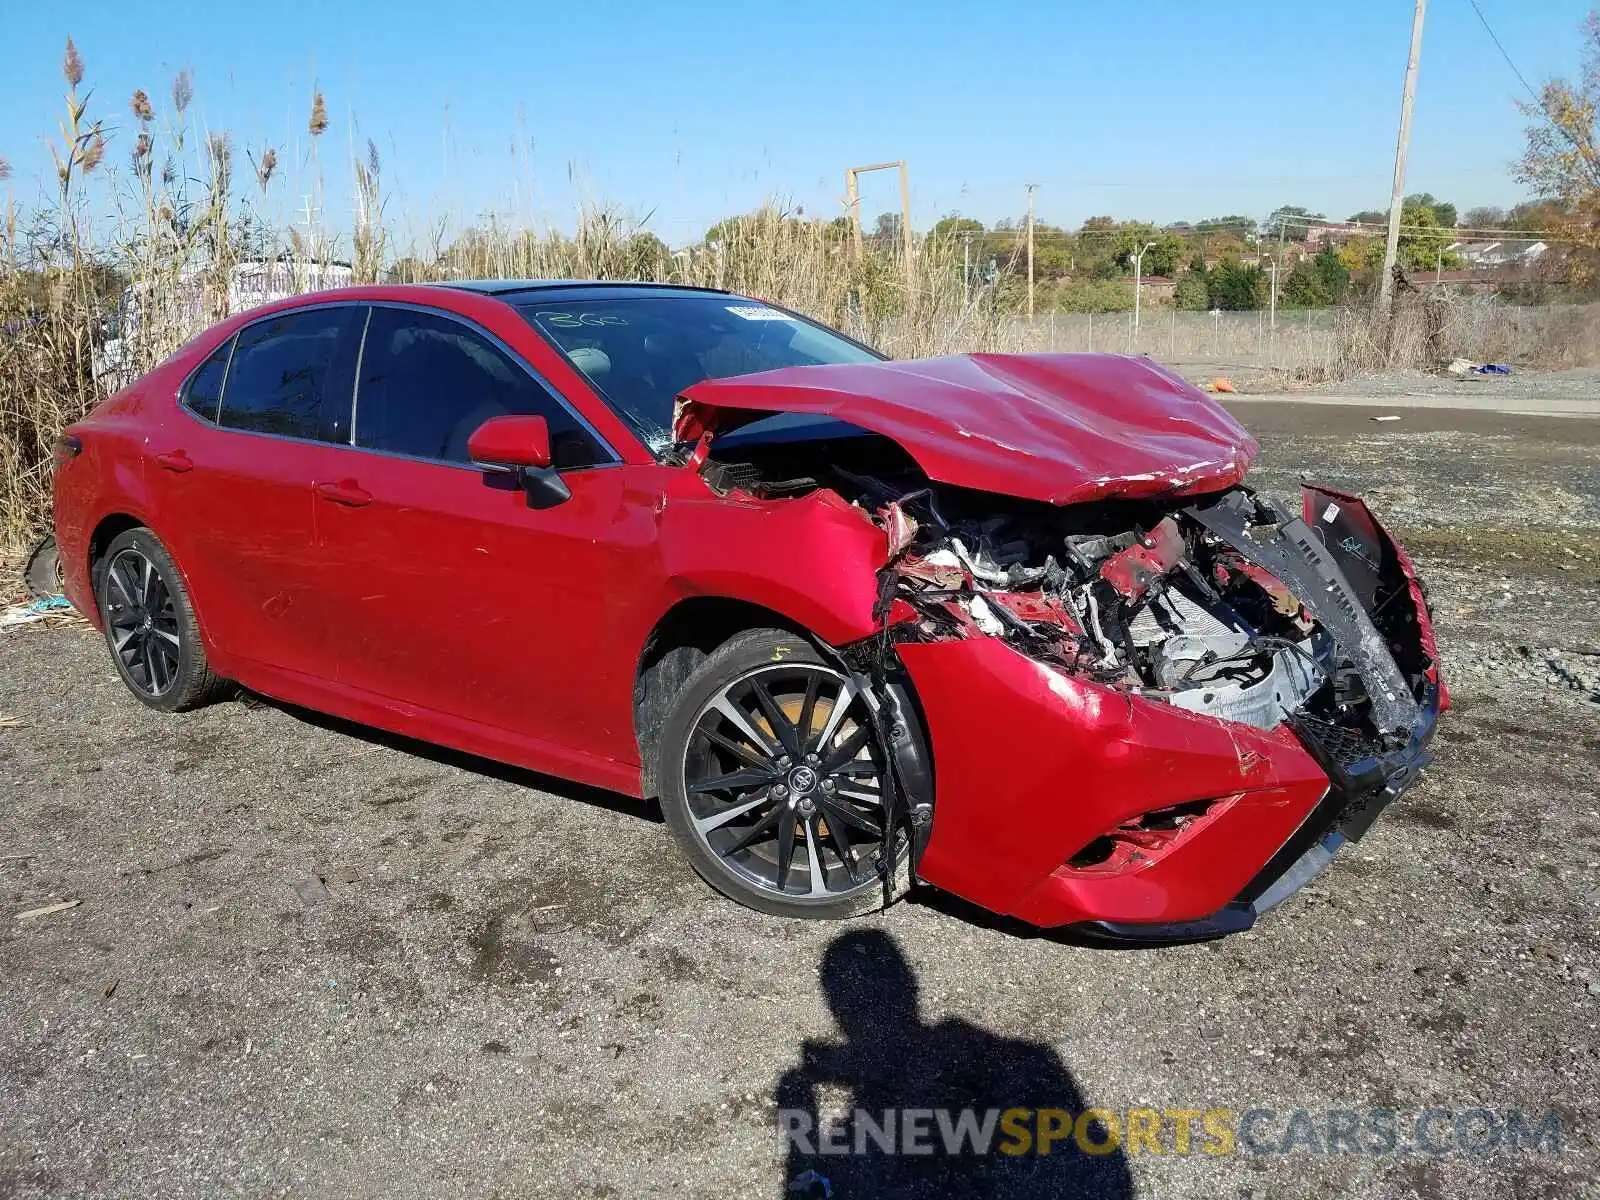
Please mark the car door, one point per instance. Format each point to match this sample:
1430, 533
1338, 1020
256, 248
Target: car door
455, 596
234, 472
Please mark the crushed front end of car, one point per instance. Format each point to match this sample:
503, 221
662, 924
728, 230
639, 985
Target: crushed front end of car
1159, 720
1158, 702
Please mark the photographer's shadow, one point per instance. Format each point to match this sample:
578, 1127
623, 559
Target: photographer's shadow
890, 1060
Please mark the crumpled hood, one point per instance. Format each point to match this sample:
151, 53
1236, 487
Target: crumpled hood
1064, 428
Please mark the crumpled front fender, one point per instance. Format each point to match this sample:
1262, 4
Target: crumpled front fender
814, 559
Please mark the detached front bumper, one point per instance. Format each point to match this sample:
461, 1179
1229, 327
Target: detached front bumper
1363, 781
1032, 765
1202, 824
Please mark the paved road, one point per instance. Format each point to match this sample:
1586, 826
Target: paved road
1486, 401
313, 961
1570, 393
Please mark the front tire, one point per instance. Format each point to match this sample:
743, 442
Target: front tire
771, 780
150, 625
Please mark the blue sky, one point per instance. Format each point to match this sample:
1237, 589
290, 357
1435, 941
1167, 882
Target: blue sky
690, 111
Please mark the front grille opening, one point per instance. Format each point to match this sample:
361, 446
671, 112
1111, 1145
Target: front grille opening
1175, 817
1345, 745
1141, 839
1095, 853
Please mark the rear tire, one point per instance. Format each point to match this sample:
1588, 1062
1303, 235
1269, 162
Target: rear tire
42, 574
796, 829
150, 625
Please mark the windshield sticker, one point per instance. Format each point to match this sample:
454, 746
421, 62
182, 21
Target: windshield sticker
758, 312
565, 320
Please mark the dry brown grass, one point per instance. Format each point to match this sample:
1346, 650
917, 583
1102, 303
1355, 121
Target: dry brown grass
178, 226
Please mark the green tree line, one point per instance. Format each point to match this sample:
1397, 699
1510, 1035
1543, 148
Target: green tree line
1219, 262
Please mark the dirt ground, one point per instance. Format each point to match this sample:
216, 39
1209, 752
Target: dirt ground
308, 959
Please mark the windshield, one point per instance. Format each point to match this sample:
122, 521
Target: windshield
640, 353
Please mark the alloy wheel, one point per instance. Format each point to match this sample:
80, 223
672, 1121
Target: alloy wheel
783, 778
143, 623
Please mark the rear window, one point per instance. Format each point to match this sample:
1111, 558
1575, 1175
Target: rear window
639, 353
203, 393
291, 375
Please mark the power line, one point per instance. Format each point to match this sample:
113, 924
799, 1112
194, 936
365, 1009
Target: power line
1579, 140
1456, 233
1486, 28
1362, 227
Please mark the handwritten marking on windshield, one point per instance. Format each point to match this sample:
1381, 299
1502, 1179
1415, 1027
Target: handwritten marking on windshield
566, 320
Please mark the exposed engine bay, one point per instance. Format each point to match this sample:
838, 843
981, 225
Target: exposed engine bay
1224, 605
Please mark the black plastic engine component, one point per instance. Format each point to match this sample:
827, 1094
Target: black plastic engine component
1287, 548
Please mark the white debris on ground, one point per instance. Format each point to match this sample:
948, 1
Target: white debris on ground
36, 610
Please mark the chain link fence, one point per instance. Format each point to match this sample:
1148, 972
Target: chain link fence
1253, 338
1320, 344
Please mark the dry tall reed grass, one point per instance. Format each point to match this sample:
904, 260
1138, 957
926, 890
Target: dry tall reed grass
122, 265
97, 285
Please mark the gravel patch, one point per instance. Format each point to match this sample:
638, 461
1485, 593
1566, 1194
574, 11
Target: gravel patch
310, 959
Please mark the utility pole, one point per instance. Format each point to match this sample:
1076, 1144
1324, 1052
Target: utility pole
905, 229
1031, 187
1138, 271
966, 267
852, 191
1397, 196
1276, 267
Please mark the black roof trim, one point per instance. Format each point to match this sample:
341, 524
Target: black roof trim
505, 287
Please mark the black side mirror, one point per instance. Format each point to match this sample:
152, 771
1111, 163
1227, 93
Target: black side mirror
543, 486
520, 445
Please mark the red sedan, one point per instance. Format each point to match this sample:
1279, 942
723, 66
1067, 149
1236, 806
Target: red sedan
1011, 626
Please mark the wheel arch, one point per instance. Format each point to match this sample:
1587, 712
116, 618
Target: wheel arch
110, 527
695, 626
113, 525
190, 681
679, 642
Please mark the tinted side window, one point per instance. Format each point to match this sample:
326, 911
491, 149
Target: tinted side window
291, 375
203, 392
427, 382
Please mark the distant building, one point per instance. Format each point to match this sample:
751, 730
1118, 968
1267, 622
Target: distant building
186, 307
1318, 236
1497, 266
1489, 256
1157, 289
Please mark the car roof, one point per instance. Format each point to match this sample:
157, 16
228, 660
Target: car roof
576, 289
